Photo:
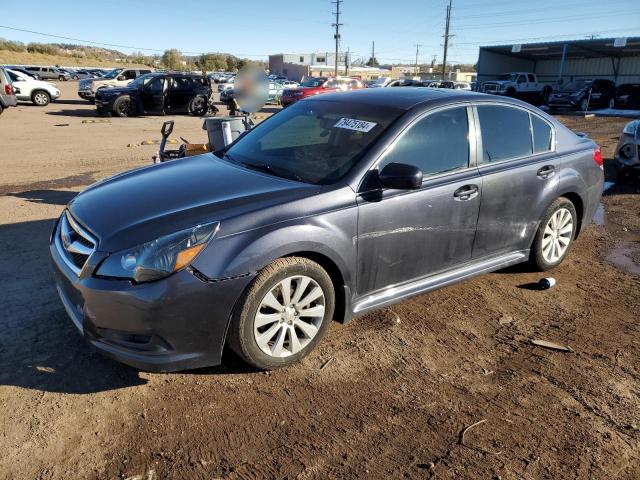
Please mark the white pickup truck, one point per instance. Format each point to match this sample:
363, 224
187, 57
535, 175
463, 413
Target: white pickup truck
523, 85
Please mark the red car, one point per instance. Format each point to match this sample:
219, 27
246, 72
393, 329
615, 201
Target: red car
318, 85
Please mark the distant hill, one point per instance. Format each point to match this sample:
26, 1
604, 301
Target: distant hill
69, 55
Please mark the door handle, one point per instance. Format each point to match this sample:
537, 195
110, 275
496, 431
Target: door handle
546, 172
466, 192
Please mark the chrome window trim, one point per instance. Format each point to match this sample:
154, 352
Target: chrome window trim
471, 125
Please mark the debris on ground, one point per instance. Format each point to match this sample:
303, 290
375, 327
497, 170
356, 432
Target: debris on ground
473, 447
505, 320
551, 345
546, 283
327, 363
102, 120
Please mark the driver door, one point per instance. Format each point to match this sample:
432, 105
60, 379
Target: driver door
404, 235
153, 95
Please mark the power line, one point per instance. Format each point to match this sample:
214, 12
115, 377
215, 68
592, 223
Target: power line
337, 25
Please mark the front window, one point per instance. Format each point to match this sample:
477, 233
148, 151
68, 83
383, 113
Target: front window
141, 81
113, 73
314, 142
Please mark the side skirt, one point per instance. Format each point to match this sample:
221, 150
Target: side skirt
395, 293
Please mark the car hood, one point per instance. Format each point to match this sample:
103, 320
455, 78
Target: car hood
115, 91
141, 205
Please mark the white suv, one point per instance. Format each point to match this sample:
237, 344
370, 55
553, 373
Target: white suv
29, 89
118, 77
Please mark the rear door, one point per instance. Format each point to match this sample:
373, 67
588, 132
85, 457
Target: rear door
517, 164
407, 234
153, 95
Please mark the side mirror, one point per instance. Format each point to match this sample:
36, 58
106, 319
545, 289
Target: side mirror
401, 176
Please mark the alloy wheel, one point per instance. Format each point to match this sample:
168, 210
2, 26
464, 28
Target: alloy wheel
40, 98
557, 235
124, 107
289, 316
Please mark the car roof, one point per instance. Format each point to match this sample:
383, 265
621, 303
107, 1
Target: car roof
406, 98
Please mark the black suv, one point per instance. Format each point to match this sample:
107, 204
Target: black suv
157, 93
584, 95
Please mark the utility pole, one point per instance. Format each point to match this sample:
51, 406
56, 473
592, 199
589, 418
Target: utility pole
347, 61
446, 40
337, 26
373, 53
417, 45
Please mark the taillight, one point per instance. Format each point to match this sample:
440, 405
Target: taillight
7, 89
597, 156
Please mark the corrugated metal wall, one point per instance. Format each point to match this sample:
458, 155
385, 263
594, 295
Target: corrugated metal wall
491, 64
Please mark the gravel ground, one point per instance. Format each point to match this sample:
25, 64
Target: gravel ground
444, 385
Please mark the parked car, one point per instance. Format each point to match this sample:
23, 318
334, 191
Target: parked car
23, 71
522, 85
336, 206
380, 82
118, 77
157, 93
627, 156
406, 82
462, 86
7, 92
317, 86
225, 85
49, 73
29, 89
628, 96
431, 84
290, 84
584, 95
83, 74
227, 94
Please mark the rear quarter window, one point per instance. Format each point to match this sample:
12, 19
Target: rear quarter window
506, 132
542, 134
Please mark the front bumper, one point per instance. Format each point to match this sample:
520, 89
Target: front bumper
86, 95
563, 102
289, 100
176, 323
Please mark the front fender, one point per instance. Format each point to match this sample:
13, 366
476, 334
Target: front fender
331, 235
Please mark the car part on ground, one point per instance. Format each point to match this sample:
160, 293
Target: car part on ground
324, 202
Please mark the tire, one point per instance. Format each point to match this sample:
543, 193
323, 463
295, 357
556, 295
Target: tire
278, 332
611, 103
553, 241
511, 92
61, 78
198, 106
40, 98
124, 107
584, 104
1, 109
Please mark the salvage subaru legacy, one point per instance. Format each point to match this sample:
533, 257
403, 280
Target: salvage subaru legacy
335, 206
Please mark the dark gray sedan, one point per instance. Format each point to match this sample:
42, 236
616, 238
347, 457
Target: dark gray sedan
338, 205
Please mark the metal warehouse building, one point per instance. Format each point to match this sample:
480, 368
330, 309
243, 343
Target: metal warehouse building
617, 59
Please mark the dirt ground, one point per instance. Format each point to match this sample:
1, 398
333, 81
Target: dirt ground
390, 395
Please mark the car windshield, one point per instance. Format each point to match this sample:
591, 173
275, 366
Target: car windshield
113, 73
508, 76
577, 85
313, 82
141, 80
314, 142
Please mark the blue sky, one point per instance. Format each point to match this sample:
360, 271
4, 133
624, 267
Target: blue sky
256, 28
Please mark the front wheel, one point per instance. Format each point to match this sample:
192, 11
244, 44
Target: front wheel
40, 98
555, 235
124, 107
284, 313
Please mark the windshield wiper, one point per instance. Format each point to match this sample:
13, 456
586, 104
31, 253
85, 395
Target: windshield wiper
278, 172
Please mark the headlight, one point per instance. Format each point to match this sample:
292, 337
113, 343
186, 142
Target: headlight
159, 258
631, 128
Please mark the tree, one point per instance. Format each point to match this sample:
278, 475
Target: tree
172, 59
372, 62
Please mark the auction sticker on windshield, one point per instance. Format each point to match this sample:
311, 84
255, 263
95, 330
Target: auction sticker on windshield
353, 124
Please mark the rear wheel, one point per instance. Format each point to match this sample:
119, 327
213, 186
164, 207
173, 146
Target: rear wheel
40, 98
198, 106
124, 107
284, 313
584, 105
555, 234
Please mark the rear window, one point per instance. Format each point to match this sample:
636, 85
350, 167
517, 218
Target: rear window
506, 132
542, 134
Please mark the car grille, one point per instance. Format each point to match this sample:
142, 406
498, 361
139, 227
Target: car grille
490, 88
74, 243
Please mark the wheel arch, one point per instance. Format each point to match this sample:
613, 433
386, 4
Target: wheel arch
578, 204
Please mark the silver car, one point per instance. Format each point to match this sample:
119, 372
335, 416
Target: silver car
7, 92
627, 156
